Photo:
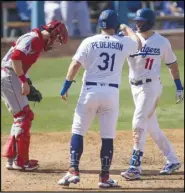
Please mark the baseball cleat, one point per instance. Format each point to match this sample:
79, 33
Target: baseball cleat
9, 164
131, 174
72, 176
170, 168
106, 182
30, 166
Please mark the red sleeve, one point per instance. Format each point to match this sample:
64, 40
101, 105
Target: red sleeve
36, 45
17, 55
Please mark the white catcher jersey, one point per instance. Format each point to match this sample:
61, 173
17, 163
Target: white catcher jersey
103, 56
147, 61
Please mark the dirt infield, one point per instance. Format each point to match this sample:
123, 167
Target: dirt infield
52, 151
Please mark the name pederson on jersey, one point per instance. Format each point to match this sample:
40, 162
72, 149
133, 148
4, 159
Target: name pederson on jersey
103, 56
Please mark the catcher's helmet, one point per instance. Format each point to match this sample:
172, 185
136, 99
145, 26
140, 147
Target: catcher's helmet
146, 15
108, 19
58, 30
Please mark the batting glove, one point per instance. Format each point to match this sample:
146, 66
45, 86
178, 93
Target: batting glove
179, 96
179, 92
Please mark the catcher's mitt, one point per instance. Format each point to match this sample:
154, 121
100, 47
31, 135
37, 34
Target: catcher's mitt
34, 94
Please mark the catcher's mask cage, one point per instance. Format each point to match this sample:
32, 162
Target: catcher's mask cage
57, 30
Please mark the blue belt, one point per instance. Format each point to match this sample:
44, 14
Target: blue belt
101, 84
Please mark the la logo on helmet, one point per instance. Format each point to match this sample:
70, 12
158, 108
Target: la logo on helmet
139, 14
103, 24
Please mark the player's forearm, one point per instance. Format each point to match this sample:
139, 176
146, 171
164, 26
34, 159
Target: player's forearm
174, 71
73, 70
17, 66
129, 32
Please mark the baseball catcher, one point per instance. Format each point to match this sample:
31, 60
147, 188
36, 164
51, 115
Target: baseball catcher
17, 90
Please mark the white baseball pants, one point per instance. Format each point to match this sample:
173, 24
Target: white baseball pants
146, 97
100, 101
11, 91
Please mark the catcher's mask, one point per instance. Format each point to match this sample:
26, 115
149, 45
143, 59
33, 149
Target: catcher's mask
57, 30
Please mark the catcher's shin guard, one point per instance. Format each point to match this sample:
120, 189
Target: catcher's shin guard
21, 133
23, 140
9, 150
22, 143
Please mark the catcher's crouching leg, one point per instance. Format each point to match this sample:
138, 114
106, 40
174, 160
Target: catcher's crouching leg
17, 146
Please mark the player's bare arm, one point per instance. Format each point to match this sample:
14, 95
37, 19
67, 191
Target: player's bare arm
174, 71
17, 66
72, 71
129, 32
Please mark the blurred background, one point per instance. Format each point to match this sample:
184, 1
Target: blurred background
18, 17
81, 18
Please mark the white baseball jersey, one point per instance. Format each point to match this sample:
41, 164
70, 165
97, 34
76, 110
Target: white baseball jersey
147, 61
103, 56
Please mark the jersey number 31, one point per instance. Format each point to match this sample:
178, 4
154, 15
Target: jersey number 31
107, 61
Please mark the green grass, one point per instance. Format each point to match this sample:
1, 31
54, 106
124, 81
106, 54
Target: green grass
53, 114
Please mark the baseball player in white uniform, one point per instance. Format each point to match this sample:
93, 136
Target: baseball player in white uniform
76, 10
102, 57
52, 11
146, 87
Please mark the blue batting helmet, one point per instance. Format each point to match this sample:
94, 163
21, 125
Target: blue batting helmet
108, 19
147, 15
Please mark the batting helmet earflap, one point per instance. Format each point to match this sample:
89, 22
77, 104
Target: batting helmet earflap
108, 19
147, 15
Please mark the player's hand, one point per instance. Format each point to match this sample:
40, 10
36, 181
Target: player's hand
64, 97
25, 88
179, 96
123, 27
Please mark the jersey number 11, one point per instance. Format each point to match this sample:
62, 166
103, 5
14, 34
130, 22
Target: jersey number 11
149, 63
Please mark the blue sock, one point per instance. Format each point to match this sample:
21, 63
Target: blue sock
106, 155
136, 158
76, 150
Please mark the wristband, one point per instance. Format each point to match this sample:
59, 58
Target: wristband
23, 78
66, 86
178, 84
